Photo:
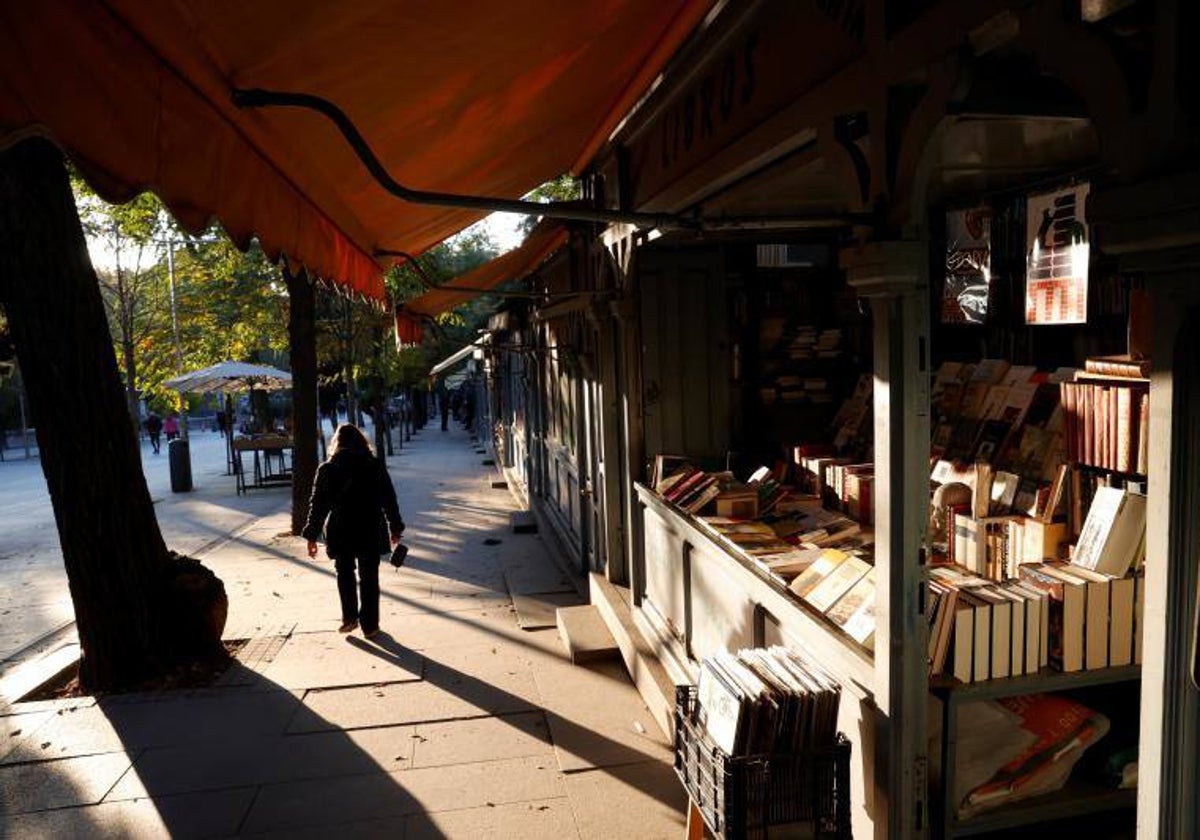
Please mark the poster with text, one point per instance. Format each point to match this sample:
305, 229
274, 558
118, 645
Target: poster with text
1056, 261
968, 285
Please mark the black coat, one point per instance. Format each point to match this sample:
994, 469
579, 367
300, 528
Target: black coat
355, 492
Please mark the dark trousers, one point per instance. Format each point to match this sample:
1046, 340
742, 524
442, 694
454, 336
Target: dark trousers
366, 614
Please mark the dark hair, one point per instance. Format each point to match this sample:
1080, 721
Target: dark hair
349, 438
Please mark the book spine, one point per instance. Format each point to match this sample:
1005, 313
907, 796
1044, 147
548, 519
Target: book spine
1143, 455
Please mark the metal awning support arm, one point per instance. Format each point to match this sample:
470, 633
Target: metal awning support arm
409, 259
259, 98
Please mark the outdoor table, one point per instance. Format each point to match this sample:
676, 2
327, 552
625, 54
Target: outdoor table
272, 461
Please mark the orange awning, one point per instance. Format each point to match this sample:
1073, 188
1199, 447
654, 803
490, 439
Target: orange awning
517, 264
484, 98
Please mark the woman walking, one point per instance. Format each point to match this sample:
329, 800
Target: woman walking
353, 490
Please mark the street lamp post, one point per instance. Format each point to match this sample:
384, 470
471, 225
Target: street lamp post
183, 417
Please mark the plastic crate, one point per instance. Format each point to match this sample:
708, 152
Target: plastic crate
745, 796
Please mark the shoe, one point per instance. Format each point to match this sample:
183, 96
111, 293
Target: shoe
348, 627
371, 634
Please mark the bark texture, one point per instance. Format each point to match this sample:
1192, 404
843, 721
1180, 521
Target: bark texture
302, 333
116, 561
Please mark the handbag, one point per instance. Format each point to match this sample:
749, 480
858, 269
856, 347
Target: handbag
399, 553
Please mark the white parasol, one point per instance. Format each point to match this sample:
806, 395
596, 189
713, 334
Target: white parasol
231, 376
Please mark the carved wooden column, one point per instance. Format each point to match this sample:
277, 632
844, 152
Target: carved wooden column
891, 276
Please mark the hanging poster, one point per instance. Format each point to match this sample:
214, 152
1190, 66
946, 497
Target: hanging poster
968, 266
1056, 264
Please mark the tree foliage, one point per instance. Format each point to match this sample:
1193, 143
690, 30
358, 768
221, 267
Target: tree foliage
563, 188
132, 234
457, 255
229, 304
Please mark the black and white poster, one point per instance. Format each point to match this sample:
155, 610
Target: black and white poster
1056, 270
968, 266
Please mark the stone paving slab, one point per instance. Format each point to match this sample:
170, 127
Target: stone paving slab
540, 818
215, 814
482, 739
429, 630
67, 734
384, 828
60, 784
587, 734
331, 801
652, 802
414, 702
264, 761
16, 728
178, 718
537, 612
322, 660
531, 575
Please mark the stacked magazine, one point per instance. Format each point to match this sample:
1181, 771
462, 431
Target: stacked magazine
770, 700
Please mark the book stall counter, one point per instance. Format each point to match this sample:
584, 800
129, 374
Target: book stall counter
712, 598
1078, 797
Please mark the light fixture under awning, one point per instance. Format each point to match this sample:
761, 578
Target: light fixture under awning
474, 99
453, 359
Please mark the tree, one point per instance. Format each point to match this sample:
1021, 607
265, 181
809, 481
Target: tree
132, 620
303, 343
130, 233
563, 188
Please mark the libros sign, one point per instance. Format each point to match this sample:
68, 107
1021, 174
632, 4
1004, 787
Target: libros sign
745, 78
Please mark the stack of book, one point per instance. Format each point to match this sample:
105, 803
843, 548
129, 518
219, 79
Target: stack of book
813, 466
767, 701
852, 424
1108, 420
790, 388
842, 586
770, 488
839, 483
691, 489
1056, 614
807, 342
980, 629
1003, 415
756, 540
996, 546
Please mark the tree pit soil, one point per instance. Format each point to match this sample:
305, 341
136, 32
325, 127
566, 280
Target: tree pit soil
65, 684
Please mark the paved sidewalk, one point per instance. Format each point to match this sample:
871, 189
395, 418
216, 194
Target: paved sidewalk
35, 604
454, 722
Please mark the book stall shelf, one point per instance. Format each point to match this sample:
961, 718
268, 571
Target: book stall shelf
1035, 586
1078, 797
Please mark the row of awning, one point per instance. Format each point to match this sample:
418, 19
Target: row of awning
516, 264
479, 98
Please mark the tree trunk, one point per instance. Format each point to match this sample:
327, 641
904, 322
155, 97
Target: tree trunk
113, 550
302, 333
131, 394
379, 398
